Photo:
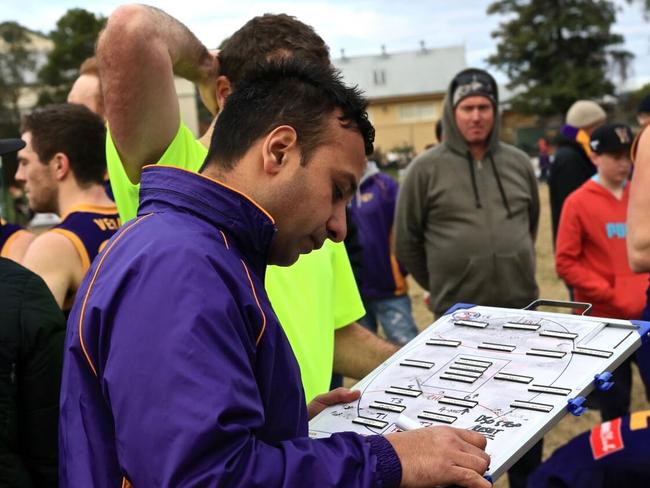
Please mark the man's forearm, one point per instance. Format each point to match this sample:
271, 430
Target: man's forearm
357, 351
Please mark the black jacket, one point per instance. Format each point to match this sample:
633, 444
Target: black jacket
32, 330
570, 169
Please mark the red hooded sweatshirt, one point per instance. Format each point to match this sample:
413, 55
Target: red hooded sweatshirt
591, 254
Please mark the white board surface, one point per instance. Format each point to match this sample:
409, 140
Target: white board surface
509, 383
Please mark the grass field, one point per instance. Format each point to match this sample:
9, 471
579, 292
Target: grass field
551, 287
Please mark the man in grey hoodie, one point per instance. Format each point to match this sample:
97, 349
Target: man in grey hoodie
467, 214
468, 208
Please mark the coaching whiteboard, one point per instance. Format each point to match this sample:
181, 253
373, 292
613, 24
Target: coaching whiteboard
507, 374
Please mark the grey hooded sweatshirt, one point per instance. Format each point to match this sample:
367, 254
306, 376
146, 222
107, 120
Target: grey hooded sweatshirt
465, 229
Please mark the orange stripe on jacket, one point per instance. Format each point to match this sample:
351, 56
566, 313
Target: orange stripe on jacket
92, 282
259, 337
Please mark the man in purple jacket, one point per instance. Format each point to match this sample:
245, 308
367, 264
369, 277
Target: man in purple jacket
177, 371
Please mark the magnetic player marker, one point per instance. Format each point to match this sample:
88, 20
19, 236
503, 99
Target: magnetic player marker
466, 367
545, 353
553, 390
497, 347
398, 390
461, 402
456, 377
386, 406
473, 362
379, 424
592, 352
469, 374
416, 363
516, 325
559, 334
443, 342
539, 407
517, 378
437, 417
472, 323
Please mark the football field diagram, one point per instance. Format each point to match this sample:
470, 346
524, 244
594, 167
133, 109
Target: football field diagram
507, 374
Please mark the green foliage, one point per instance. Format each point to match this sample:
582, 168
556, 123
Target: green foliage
557, 51
74, 40
16, 62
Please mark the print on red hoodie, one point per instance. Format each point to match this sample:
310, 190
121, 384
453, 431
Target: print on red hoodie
591, 254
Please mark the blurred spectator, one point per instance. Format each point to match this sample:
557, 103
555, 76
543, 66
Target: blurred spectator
572, 164
591, 254
544, 159
643, 111
380, 277
19, 202
439, 135
87, 89
13, 238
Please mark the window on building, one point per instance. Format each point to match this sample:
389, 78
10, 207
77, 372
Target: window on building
379, 75
416, 112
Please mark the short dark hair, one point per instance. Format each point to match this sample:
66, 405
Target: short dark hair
265, 37
73, 130
294, 92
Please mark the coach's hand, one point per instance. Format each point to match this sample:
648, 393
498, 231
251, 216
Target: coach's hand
334, 397
444, 456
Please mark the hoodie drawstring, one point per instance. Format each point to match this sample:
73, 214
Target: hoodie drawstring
472, 172
500, 185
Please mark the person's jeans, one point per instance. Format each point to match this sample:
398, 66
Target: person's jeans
395, 316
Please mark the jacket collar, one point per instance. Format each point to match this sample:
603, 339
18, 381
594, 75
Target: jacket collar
246, 223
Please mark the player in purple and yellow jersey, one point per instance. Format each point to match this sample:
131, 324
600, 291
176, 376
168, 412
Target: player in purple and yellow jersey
62, 167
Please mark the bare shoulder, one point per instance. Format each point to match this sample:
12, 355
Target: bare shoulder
20, 241
48, 250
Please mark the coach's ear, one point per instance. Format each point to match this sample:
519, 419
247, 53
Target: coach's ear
60, 166
223, 90
280, 149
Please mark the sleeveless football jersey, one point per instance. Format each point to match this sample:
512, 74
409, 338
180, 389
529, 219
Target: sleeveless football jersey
88, 227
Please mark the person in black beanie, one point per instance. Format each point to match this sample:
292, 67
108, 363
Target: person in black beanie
32, 330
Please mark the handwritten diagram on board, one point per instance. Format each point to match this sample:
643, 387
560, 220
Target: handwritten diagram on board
507, 374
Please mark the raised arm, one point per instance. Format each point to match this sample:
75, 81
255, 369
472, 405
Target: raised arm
638, 211
139, 53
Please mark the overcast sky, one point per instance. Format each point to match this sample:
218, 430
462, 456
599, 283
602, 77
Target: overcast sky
358, 26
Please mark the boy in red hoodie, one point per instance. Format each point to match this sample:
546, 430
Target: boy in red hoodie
591, 254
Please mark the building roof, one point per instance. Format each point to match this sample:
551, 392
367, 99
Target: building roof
400, 74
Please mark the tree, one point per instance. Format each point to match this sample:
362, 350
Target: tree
74, 40
557, 51
17, 61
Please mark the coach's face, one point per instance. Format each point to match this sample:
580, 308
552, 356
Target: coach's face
313, 196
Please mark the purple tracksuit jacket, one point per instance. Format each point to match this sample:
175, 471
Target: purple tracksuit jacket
177, 372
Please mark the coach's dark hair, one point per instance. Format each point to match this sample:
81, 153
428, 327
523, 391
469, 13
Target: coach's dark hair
267, 37
73, 130
294, 92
